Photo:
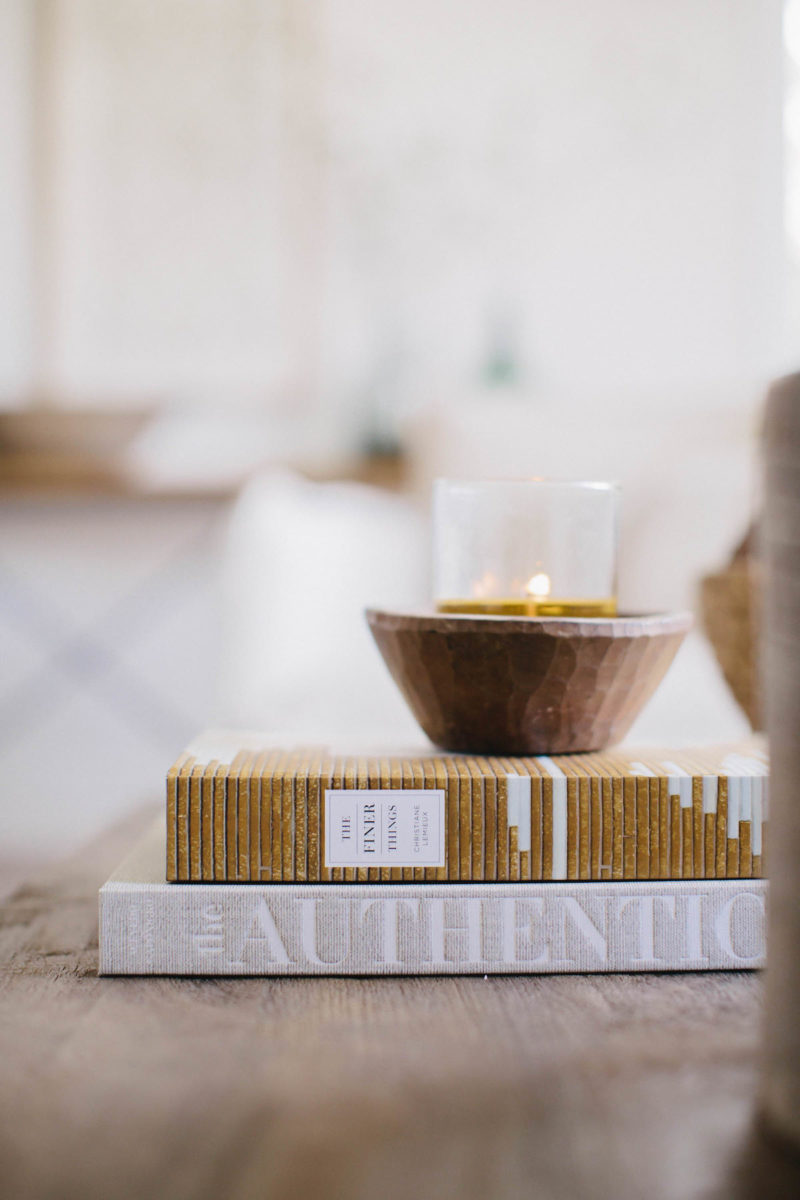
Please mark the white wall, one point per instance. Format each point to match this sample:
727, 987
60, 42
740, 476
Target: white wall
15, 197
606, 175
327, 201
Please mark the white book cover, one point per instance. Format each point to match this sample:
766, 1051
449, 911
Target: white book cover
151, 927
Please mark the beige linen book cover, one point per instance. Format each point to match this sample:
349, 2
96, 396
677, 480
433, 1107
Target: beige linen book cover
240, 809
151, 927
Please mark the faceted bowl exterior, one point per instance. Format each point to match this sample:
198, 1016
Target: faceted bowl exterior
526, 685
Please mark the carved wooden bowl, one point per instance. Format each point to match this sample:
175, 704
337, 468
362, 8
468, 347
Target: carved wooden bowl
526, 685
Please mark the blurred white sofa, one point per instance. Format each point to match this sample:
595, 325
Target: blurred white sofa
304, 559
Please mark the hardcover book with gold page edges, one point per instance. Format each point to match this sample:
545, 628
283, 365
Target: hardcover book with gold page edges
241, 809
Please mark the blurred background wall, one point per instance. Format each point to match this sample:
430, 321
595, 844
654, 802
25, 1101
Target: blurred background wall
268, 267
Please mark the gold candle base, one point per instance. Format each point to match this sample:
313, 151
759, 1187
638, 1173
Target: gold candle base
520, 606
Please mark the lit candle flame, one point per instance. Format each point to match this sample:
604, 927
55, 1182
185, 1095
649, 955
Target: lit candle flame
538, 585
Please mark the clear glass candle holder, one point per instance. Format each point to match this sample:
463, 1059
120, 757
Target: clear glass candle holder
532, 547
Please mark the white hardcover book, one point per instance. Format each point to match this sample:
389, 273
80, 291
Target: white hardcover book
150, 927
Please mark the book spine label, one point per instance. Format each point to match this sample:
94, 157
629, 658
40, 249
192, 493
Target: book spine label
405, 929
367, 827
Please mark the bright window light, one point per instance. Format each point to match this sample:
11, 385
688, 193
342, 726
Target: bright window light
791, 29
791, 121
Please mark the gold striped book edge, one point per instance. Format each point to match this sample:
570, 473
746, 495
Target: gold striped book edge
242, 809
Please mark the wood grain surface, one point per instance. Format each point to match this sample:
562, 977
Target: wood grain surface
579, 1087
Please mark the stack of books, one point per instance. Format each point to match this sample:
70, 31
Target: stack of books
304, 860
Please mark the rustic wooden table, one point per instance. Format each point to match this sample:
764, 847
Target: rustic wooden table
592, 1086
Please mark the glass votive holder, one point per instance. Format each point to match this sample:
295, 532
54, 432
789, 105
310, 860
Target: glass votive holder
529, 547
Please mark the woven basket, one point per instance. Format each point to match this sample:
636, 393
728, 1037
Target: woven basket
730, 604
